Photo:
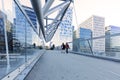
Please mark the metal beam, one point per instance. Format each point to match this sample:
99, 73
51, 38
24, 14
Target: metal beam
39, 13
43, 13
47, 6
58, 7
52, 30
24, 13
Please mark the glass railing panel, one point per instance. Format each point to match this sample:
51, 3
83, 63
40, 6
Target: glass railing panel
23, 41
107, 46
82, 46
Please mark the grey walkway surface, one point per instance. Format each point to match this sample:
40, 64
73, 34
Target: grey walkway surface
54, 65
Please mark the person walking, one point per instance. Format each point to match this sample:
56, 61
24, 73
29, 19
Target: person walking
63, 48
67, 47
53, 47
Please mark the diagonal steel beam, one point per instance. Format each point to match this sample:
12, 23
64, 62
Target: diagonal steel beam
43, 13
58, 7
39, 13
47, 6
52, 30
24, 13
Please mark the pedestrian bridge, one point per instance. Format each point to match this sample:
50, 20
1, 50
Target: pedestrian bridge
54, 65
23, 55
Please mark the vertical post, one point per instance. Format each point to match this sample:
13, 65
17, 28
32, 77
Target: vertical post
90, 47
46, 17
5, 32
25, 41
46, 21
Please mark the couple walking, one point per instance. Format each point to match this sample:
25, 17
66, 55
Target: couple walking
65, 47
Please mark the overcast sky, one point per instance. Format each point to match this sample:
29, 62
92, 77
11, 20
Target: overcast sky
109, 9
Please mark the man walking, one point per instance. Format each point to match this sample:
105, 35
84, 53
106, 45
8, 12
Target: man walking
63, 48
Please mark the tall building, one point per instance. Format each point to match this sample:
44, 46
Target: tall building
2, 36
4, 22
84, 42
96, 25
20, 27
23, 33
31, 14
112, 38
64, 32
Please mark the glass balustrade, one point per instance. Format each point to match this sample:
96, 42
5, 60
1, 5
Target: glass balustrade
23, 41
106, 46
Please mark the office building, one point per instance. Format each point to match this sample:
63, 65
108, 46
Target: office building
84, 43
2, 36
4, 22
31, 14
112, 38
85, 40
96, 25
22, 30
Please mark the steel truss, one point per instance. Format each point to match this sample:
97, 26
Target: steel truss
48, 30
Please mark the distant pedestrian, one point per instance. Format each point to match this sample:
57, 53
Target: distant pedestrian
34, 45
63, 48
67, 47
53, 47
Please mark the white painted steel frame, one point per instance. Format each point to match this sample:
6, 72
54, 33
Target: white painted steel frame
43, 13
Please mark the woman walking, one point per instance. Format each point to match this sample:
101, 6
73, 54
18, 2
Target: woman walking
67, 47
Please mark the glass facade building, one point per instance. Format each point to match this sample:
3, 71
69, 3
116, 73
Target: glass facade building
85, 39
2, 37
85, 33
4, 21
31, 14
84, 42
22, 31
96, 25
66, 29
112, 38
